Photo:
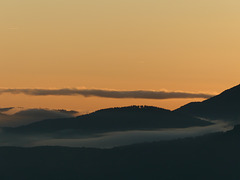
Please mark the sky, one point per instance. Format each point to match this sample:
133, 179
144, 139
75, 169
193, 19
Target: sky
123, 45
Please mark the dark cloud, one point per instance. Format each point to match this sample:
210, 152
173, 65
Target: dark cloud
141, 94
41, 114
32, 115
6, 109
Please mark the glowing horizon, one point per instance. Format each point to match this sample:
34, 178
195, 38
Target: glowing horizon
189, 46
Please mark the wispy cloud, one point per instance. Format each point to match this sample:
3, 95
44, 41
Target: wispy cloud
110, 140
6, 109
140, 94
28, 116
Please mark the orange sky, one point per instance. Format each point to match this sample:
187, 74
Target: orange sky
125, 45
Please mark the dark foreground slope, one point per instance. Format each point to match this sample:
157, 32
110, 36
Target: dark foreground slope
225, 106
212, 157
115, 119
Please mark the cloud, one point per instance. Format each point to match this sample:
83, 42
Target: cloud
112, 139
33, 115
6, 109
140, 94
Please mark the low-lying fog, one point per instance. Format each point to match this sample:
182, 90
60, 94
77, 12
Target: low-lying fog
108, 140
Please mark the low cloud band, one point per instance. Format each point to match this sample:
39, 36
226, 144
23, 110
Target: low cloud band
138, 94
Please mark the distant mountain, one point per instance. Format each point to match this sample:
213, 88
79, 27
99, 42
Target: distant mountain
114, 119
225, 106
210, 157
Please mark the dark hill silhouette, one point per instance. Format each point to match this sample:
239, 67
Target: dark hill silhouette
210, 157
115, 119
225, 106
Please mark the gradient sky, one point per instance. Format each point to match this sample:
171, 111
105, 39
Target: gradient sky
175, 45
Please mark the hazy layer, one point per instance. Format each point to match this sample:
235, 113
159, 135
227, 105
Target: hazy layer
108, 140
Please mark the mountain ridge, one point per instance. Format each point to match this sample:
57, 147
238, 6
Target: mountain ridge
225, 106
115, 119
